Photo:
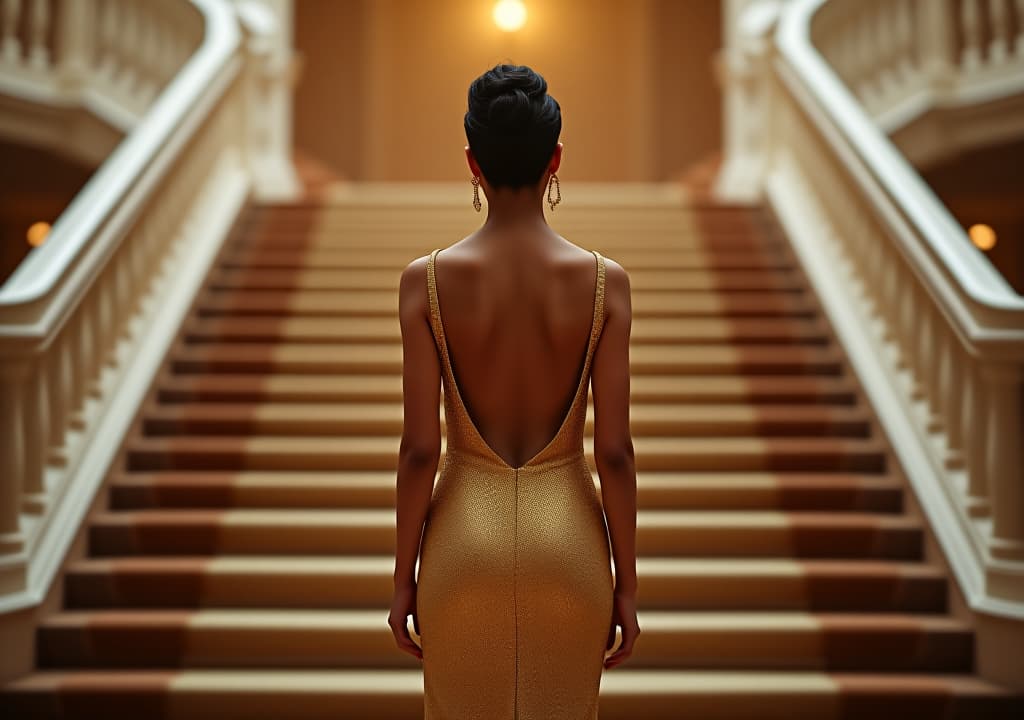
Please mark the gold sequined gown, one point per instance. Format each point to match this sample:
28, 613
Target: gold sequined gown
514, 592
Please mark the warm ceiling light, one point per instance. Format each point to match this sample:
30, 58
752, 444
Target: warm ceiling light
37, 232
509, 15
982, 236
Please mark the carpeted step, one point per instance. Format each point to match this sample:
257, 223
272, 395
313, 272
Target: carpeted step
361, 638
389, 258
370, 329
386, 358
375, 452
351, 418
222, 278
397, 694
834, 492
708, 389
365, 531
384, 303
350, 581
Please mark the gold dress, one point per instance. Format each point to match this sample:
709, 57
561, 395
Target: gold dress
515, 586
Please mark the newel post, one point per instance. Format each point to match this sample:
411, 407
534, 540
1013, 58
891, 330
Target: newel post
744, 70
270, 70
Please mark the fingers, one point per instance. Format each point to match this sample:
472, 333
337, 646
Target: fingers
611, 637
405, 642
629, 636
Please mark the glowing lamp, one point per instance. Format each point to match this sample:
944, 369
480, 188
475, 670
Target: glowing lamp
983, 236
37, 233
509, 15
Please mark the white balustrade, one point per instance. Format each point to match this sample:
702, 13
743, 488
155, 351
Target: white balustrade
87, 317
934, 331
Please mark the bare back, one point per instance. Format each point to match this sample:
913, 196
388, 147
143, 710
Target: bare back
517, 328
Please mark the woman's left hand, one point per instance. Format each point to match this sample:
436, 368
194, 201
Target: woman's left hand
403, 604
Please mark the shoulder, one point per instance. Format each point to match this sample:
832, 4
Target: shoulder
412, 286
616, 289
615, 276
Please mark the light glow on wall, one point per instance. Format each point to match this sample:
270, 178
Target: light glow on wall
983, 236
509, 15
37, 233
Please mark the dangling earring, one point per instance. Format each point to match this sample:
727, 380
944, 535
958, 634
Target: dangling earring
476, 193
558, 190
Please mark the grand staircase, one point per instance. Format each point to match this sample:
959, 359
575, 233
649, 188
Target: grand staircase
239, 561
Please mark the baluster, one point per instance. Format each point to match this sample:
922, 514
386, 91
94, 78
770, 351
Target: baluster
38, 34
940, 350
970, 20
128, 46
1005, 459
999, 27
12, 375
57, 383
958, 401
76, 388
927, 357
1018, 45
917, 342
907, 61
863, 75
11, 43
904, 328
108, 32
884, 56
34, 427
147, 83
76, 41
975, 434
887, 293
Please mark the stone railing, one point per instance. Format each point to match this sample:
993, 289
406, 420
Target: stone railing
910, 60
934, 332
111, 57
87, 317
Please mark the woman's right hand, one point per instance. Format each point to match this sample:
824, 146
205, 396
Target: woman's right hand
623, 615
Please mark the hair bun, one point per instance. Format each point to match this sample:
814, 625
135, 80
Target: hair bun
505, 98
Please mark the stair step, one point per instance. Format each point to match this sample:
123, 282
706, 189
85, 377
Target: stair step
397, 694
713, 583
386, 358
690, 491
187, 452
342, 303
322, 419
390, 258
316, 279
376, 329
372, 531
361, 638
281, 387
411, 241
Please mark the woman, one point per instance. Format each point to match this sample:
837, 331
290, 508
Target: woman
515, 605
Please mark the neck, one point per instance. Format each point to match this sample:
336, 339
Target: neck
522, 207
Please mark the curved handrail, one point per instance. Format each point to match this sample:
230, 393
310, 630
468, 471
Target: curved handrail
999, 306
41, 271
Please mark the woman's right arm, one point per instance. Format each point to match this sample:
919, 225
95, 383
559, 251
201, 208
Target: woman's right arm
613, 452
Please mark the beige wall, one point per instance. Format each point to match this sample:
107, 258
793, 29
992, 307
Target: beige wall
383, 87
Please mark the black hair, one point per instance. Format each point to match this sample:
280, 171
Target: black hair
512, 125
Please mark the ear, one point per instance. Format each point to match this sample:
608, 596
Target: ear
556, 159
471, 160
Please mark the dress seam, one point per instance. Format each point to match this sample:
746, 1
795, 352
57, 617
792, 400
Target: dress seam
515, 607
